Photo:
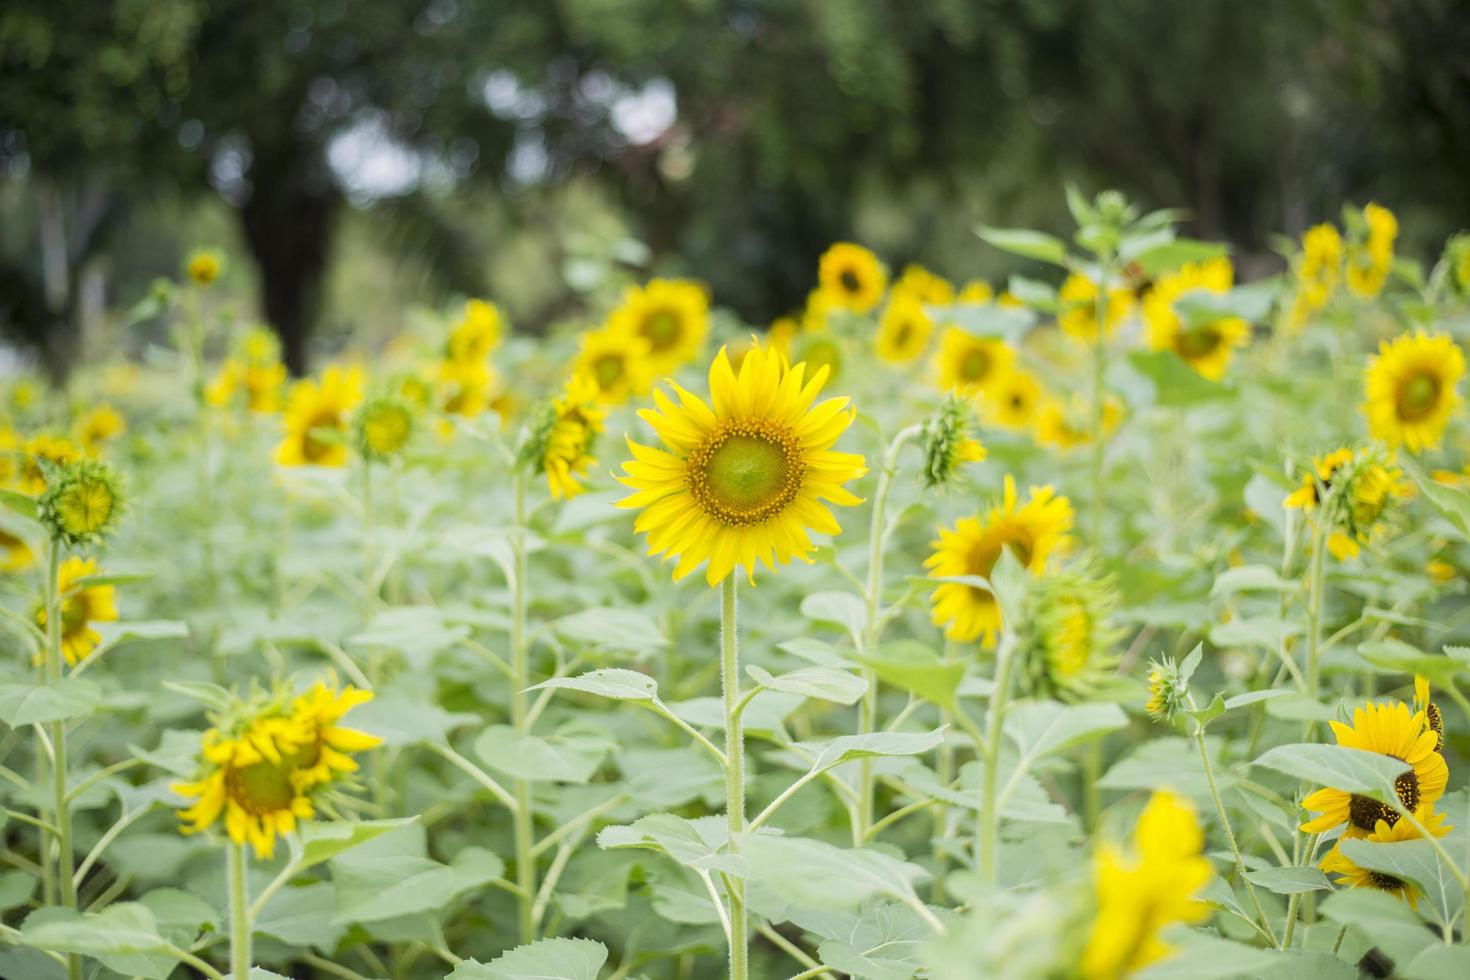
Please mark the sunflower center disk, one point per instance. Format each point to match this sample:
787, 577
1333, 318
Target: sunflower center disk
984, 557
661, 328
1418, 397
313, 448
1365, 812
747, 472
262, 787
975, 366
1386, 882
850, 281
608, 370
1199, 342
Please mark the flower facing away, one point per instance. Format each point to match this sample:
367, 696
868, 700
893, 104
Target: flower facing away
672, 315
1411, 389
1353, 875
1077, 301
382, 427
1067, 424
1360, 487
1370, 258
970, 364
745, 477
1205, 346
617, 361
477, 334
1067, 637
82, 503
317, 415
560, 445
203, 267
81, 606
949, 441
1389, 729
904, 329
1143, 890
99, 425
1033, 532
1319, 270
851, 277
1168, 693
262, 768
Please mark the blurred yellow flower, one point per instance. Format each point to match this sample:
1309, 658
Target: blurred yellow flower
477, 333
931, 289
851, 277
618, 361
672, 315
575, 420
1411, 389
1012, 402
1206, 346
969, 364
317, 417
1067, 423
203, 267
39, 451
904, 329
1370, 260
98, 425
1077, 308
81, 606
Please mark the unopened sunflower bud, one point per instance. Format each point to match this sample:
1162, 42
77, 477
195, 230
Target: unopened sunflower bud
949, 442
1168, 692
82, 502
382, 427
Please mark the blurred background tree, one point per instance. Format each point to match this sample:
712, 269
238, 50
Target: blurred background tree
358, 157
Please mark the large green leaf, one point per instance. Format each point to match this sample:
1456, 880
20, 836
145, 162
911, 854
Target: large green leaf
569, 758
814, 874
1026, 243
31, 704
822, 683
609, 682
546, 959
917, 668
1350, 770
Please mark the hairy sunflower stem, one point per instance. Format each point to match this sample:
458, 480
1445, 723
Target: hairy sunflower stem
524, 817
1314, 616
65, 860
239, 913
988, 831
734, 773
1099, 370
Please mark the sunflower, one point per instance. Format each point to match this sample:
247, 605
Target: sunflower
43, 453
976, 292
929, 288
1364, 487
564, 450
100, 424
1370, 259
851, 277
81, 606
203, 267
1317, 479
1432, 716
745, 477
1077, 315
672, 315
1032, 533
383, 426
969, 364
1319, 270
1013, 400
904, 329
1205, 346
321, 754
1067, 636
949, 441
1392, 730
781, 333
464, 387
617, 361
82, 503
1353, 875
1411, 389
477, 333
1068, 424
819, 350
314, 409
816, 315
1141, 893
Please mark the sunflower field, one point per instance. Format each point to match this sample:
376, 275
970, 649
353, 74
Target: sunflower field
1106, 622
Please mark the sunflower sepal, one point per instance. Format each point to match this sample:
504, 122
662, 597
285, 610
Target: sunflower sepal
82, 503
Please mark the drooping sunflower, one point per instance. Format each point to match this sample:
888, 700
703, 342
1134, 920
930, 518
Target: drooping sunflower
969, 364
1353, 875
1317, 480
1363, 486
851, 277
1411, 389
747, 476
1077, 308
316, 408
672, 315
618, 361
563, 450
1033, 532
949, 441
1208, 346
81, 606
1012, 401
904, 329
1389, 729
1141, 893
382, 426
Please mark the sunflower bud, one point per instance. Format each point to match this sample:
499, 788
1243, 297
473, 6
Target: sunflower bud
1067, 637
382, 427
82, 503
1168, 691
949, 441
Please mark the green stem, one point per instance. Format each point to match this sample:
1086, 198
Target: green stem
734, 773
369, 592
524, 817
239, 914
1099, 370
989, 826
65, 860
1314, 616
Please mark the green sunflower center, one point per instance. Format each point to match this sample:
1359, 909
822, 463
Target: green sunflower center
86, 507
747, 472
1198, 342
74, 612
262, 787
608, 369
976, 365
1418, 397
316, 449
386, 429
661, 327
1364, 812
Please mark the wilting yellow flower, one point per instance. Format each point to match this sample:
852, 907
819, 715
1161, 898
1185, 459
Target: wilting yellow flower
931, 289
1140, 894
1352, 875
316, 409
969, 364
101, 423
1411, 389
851, 277
904, 329
203, 267
563, 450
746, 476
1207, 346
672, 315
1012, 401
57, 451
1077, 313
1389, 729
1032, 532
618, 361
81, 606
1068, 424
1369, 260
477, 333
261, 773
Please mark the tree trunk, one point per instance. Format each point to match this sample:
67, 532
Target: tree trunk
288, 221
